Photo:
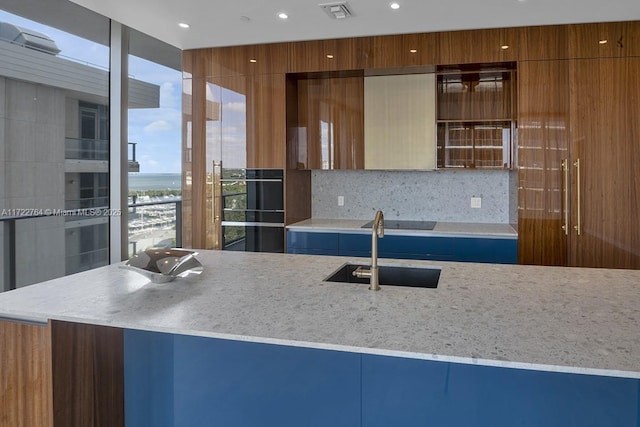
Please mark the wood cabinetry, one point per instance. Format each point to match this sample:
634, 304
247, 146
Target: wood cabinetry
582, 112
543, 143
476, 117
399, 124
328, 55
61, 374
605, 184
478, 46
330, 123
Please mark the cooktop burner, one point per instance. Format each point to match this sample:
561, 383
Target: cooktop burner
391, 224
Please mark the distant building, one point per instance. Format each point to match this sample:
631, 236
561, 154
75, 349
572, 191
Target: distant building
54, 147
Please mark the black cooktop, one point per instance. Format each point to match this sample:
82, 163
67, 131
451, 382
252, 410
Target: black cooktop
391, 224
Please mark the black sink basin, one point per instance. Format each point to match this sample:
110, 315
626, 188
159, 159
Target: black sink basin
416, 277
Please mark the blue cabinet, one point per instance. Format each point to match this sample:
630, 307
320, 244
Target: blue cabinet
437, 248
312, 243
406, 392
178, 380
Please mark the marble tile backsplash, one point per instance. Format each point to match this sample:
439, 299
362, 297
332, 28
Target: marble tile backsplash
443, 195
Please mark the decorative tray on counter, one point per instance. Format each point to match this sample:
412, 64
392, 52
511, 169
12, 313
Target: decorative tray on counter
162, 265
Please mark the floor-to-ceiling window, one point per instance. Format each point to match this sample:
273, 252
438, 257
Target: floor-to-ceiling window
55, 142
154, 146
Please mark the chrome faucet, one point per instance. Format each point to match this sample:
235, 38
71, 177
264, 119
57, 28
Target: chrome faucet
372, 272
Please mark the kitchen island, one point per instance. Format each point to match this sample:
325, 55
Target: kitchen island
274, 326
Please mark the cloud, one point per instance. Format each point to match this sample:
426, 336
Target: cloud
158, 126
236, 107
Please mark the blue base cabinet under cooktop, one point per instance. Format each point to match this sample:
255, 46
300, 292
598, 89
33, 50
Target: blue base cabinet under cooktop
437, 248
178, 380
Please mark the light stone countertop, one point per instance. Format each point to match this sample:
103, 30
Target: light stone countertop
453, 229
543, 318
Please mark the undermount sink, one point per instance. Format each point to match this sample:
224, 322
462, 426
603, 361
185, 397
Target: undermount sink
416, 277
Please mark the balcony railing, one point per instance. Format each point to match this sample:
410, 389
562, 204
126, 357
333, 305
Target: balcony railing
151, 224
155, 223
86, 149
134, 166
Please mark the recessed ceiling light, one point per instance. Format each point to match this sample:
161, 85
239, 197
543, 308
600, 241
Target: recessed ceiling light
394, 5
413, 50
330, 56
504, 47
183, 25
283, 15
602, 42
253, 61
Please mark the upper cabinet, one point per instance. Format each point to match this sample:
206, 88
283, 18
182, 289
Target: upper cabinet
325, 123
399, 122
328, 55
476, 117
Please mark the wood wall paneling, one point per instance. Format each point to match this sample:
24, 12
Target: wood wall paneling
25, 376
543, 142
187, 160
195, 226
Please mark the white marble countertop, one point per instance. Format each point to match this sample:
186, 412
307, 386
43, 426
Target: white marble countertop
546, 318
455, 229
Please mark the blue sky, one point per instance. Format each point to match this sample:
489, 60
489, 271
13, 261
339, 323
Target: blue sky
157, 131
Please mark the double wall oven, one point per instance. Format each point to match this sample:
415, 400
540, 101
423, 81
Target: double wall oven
252, 210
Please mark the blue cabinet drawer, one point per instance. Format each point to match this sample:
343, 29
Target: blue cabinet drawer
304, 240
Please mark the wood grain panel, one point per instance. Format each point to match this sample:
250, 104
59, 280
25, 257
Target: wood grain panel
266, 121
195, 225
476, 96
25, 376
544, 42
605, 132
329, 55
238, 60
543, 142
88, 375
477, 46
331, 122
402, 50
297, 195
632, 39
601, 40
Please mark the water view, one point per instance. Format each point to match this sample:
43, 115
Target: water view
153, 221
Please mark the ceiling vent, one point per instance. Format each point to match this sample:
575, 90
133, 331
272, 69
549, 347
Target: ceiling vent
340, 10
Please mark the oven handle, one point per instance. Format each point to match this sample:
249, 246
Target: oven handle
253, 224
251, 180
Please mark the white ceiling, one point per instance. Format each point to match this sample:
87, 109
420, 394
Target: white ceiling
220, 23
